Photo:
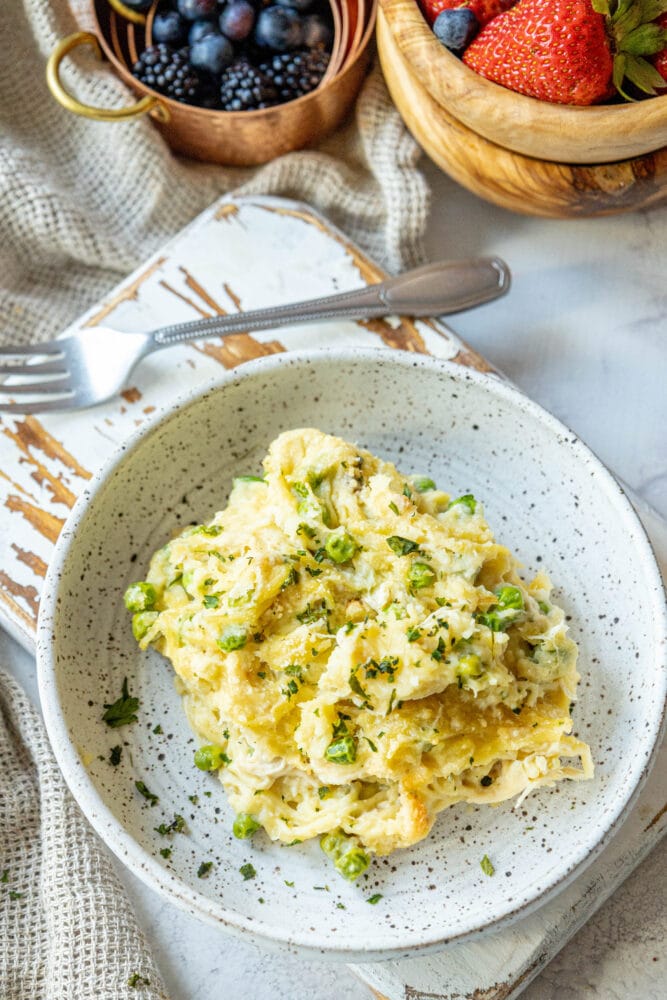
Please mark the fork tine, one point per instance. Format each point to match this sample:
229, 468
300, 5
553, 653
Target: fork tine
42, 387
27, 350
58, 367
47, 406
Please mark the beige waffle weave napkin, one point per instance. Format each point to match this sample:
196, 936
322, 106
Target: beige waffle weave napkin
81, 204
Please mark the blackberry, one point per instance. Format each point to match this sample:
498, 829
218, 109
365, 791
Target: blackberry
243, 87
296, 73
168, 71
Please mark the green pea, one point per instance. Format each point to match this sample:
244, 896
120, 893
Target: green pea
510, 597
467, 500
210, 757
342, 751
245, 825
352, 864
468, 667
140, 596
340, 547
142, 622
422, 484
421, 575
331, 844
233, 637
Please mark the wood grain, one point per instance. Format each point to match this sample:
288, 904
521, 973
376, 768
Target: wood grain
523, 124
520, 183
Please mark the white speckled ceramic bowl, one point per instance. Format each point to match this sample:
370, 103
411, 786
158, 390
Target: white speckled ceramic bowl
547, 497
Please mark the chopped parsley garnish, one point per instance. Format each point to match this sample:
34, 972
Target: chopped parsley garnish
292, 688
211, 601
15, 895
312, 614
407, 492
290, 884
439, 651
5, 875
204, 869
250, 479
146, 792
248, 871
342, 751
194, 799
486, 866
115, 755
324, 791
313, 572
157, 730
177, 825
291, 578
123, 711
371, 744
393, 507
413, 634
357, 688
386, 666
375, 898
401, 546
305, 529
295, 670
392, 700
166, 852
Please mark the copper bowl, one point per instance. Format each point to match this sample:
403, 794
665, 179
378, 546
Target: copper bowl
231, 138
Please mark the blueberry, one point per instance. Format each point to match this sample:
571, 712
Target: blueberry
456, 28
299, 5
170, 28
317, 31
237, 20
200, 29
195, 10
278, 28
212, 53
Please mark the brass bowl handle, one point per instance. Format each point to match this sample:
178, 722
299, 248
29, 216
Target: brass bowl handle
146, 104
129, 15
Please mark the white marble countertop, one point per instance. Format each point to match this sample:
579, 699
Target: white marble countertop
582, 332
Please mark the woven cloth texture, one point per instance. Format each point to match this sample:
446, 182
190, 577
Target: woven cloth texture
81, 204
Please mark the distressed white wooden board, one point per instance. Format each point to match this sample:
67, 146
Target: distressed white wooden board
247, 254
252, 252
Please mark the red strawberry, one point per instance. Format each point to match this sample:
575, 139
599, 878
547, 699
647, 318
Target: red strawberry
660, 59
484, 10
571, 51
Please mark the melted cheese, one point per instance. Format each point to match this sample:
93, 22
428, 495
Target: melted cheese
390, 650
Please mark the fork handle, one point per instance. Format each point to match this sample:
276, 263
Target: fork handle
433, 290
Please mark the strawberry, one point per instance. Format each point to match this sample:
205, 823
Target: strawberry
572, 51
660, 58
484, 10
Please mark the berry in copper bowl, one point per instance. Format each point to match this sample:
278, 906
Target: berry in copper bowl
237, 55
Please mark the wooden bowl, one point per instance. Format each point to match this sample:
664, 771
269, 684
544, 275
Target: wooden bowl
535, 128
511, 180
244, 138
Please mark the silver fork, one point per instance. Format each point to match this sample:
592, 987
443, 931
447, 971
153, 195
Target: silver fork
94, 364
